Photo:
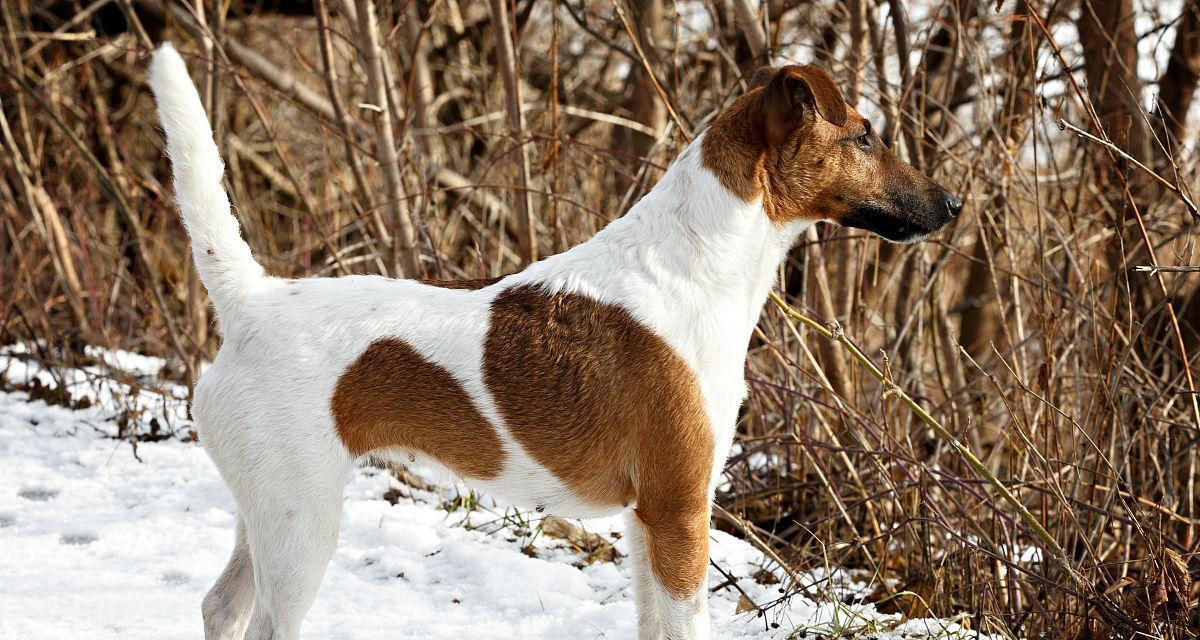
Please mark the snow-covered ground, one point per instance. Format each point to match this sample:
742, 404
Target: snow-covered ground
100, 540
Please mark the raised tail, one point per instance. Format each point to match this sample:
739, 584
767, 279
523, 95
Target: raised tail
226, 266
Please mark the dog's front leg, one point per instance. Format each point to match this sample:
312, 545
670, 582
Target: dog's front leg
669, 549
649, 625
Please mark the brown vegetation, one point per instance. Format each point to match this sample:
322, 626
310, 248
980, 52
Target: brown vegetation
449, 139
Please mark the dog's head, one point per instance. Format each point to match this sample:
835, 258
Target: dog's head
793, 141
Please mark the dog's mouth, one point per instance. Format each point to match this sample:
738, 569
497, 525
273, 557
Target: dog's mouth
895, 226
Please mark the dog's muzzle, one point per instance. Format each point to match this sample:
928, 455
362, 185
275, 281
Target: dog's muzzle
907, 219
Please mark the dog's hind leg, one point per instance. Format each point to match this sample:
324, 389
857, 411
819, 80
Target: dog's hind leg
292, 511
226, 608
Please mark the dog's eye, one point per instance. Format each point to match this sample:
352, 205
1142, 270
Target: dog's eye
864, 141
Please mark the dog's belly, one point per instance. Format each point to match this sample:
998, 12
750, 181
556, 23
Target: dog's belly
528, 487
542, 492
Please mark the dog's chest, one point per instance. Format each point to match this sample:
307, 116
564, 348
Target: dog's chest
594, 394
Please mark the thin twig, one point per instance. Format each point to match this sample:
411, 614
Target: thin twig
1067, 126
662, 95
1153, 269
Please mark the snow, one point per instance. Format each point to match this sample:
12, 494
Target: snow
99, 539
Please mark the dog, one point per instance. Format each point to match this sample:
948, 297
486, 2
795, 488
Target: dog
602, 380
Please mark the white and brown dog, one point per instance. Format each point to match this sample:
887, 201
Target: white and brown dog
601, 380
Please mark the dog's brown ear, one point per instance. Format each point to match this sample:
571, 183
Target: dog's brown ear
762, 76
796, 90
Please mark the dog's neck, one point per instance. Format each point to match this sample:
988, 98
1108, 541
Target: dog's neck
696, 259
696, 230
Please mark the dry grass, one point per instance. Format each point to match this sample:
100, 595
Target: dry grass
1023, 329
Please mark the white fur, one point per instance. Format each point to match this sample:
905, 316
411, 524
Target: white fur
691, 261
231, 274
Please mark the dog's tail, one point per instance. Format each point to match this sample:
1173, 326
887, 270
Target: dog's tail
226, 266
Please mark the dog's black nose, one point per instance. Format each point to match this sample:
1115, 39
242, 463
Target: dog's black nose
954, 204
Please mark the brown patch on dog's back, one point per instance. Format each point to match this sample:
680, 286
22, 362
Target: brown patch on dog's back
392, 397
472, 284
607, 406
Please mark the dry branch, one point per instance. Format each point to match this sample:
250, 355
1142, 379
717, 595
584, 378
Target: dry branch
510, 73
405, 259
263, 69
752, 28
